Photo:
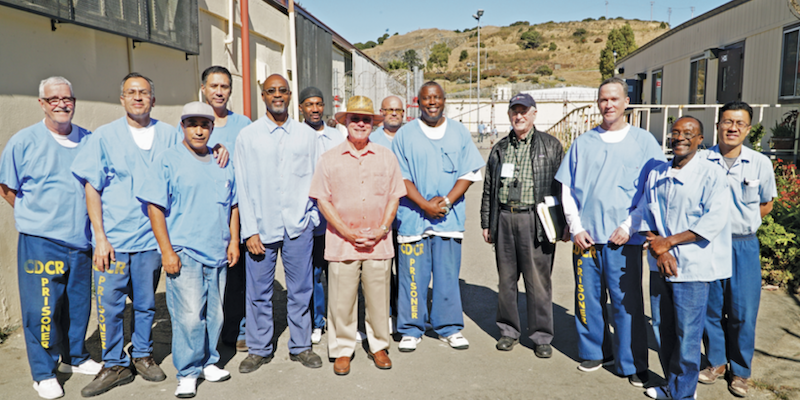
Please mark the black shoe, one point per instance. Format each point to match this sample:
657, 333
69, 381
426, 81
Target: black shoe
506, 343
590, 365
543, 350
107, 379
147, 368
639, 379
252, 362
308, 358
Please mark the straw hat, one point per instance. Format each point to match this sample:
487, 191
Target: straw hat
359, 105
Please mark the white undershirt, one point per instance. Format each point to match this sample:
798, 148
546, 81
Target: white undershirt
144, 136
568, 200
436, 133
69, 141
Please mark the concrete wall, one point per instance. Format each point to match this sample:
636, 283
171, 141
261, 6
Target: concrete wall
95, 62
548, 113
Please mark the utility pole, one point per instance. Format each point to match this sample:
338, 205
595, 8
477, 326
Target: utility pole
478, 78
669, 15
651, 10
606, 9
692, 11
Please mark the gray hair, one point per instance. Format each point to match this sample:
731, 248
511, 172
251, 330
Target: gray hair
617, 80
137, 75
54, 80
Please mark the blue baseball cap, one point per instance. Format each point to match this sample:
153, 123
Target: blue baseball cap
523, 99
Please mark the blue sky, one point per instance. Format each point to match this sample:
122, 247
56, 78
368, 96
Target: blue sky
364, 20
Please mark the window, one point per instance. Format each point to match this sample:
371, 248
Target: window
790, 64
697, 81
655, 93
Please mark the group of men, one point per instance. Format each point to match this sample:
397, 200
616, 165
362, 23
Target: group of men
126, 201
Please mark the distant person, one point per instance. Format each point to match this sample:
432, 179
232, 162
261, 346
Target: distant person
520, 173
392, 112
192, 208
357, 186
312, 105
730, 331
439, 162
602, 177
274, 163
481, 131
217, 88
684, 213
54, 258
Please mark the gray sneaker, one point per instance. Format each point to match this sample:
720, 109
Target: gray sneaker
107, 379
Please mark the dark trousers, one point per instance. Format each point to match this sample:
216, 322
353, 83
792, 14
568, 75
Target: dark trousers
518, 252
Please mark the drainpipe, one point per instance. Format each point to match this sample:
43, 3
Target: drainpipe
231, 22
293, 55
245, 12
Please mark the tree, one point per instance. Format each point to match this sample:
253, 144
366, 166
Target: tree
396, 64
580, 32
440, 54
463, 56
410, 59
553, 46
621, 41
531, 39
520, 23
544, 70
383, 38
364, 46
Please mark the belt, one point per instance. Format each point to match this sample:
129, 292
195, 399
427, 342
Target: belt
517, 209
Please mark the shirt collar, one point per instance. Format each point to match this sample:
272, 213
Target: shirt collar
272, 126
746, 154
687, 170
515, 140
349, 150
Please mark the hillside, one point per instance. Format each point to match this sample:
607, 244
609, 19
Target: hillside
574, 61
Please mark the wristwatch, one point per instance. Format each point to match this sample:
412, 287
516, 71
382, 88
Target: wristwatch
384, 229
447, 203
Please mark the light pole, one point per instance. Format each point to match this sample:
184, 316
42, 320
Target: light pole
469, 120
478, 77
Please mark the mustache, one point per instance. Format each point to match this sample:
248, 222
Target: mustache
64, 109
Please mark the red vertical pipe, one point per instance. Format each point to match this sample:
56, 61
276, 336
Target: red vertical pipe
245, 14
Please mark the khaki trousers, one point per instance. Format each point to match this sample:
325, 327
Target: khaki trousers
374, 276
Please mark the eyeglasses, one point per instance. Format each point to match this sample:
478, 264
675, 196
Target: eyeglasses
356, 119
392, 110
271, 91
726, 123
310, 104
686, 135
54, 101
133, 92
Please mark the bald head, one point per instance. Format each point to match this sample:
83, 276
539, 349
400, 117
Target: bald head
392, 111
276, 95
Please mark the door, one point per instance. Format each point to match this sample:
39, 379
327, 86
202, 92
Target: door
729, 81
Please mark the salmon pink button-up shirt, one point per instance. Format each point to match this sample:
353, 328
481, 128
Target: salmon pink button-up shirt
360, 186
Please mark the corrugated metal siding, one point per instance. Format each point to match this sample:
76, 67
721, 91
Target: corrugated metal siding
315, 59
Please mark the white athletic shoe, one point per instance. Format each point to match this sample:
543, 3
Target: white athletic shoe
456, 341
187, 388
316, 335
360, 336
661, 393
212, 373
49, 388
89, 367
408, 344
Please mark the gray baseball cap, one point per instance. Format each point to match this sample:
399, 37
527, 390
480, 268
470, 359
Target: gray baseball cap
197, 109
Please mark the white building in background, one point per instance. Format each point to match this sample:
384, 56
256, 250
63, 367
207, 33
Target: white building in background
551, 104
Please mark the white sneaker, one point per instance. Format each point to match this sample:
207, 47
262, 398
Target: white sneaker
212, 373
456, 341
408, 344
316, 335
360, 336
49, 388
89, 367
187, 388
661, 393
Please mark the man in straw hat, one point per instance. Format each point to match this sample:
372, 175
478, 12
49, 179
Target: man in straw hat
275, 158
439, 162
358, 186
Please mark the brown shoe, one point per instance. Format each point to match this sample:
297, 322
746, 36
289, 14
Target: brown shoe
381, 359
147, 368
107, 379
711, 374
241, 345
738, 386
341, 366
